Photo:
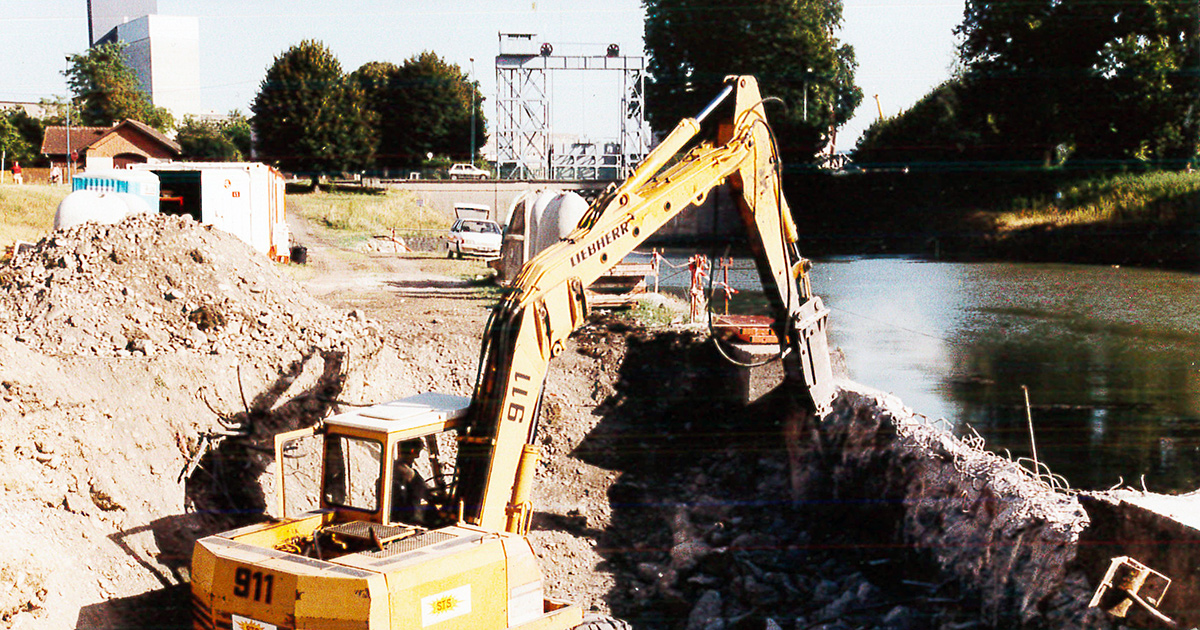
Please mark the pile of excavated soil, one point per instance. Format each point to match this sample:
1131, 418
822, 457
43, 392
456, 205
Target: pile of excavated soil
158, 284
127, 352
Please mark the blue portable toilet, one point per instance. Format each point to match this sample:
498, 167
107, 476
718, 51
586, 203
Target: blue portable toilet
141, 184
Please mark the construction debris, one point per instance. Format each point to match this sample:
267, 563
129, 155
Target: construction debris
159, 284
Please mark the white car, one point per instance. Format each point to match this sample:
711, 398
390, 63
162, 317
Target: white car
467, 171
474, 237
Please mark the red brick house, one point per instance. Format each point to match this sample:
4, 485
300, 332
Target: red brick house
100, 148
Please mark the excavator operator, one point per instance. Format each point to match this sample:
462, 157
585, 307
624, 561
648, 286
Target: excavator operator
409, 491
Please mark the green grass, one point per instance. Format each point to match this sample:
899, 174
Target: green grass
1164, 197
27, 212
365, 213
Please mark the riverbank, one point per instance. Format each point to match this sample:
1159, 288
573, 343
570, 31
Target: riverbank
1147, 219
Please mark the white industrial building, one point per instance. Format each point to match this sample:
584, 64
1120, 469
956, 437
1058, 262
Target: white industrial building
163, 50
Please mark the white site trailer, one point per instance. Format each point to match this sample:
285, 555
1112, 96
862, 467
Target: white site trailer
245, 199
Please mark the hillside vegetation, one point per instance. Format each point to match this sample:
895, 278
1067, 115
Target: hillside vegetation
1159, 198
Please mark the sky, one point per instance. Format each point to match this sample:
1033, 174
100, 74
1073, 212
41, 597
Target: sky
904, 47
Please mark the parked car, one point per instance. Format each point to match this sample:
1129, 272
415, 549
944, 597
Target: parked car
474, 237
467, 171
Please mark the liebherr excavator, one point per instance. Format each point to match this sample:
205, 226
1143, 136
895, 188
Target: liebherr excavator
356, 562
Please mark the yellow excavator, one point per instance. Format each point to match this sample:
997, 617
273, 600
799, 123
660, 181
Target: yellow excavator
367, 557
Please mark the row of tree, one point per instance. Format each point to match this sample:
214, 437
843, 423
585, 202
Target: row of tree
105, 90
1048, 82
310, 116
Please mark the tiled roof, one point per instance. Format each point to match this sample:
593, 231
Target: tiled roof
55, 140
153, 133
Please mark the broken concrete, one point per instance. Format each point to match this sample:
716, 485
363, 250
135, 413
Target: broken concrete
1158, 531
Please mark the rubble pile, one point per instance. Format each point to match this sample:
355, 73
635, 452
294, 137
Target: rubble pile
733, 549
877, 536
157, 284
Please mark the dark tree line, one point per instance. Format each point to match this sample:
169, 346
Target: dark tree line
1046, 82
309, 116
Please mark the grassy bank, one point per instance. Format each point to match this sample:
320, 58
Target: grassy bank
27, 212
366, 213
1149, 219
1162, 198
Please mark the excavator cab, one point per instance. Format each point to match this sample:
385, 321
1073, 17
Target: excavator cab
384, 463
341, 563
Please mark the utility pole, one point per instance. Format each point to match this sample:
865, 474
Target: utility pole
68, 75
474, 88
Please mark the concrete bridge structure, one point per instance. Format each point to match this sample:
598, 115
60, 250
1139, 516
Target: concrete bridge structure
717, 216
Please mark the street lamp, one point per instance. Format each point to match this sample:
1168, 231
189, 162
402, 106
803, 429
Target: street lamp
67, 74
807, 74
473, 90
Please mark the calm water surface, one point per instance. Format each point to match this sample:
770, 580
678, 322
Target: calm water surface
1110, 356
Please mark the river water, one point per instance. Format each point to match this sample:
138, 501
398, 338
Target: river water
1110, 357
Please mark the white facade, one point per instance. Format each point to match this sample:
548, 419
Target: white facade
164, 52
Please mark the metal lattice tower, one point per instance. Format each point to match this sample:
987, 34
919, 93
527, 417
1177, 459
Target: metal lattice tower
523, 105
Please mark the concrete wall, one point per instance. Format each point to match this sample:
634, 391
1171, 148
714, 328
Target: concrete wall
441, 195
1009, 540
718, 214
105, 15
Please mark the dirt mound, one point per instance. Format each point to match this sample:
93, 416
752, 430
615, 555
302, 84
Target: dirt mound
126, 351
155, 283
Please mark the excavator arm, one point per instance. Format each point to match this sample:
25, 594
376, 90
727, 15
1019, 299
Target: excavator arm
547, 303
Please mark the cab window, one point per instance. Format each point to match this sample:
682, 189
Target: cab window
353, 469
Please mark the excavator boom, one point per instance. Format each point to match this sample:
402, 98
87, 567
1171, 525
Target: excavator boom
368, 556
548, 301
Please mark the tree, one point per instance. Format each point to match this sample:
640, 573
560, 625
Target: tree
789, 45
215, 141
424, 106
1106, 81
934, 129
309, 117
12, 144
238, 130
21, 136
106, 90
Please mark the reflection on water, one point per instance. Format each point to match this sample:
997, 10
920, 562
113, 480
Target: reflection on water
1111, 357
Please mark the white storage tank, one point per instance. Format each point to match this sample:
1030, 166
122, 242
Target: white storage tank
83, 206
